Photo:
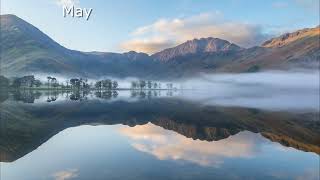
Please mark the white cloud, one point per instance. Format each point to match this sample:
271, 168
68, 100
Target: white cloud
66, 174
165, 33
68, 3
147, 45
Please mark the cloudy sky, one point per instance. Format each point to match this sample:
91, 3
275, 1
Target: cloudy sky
150, 26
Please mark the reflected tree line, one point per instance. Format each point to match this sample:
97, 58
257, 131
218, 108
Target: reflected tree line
27, 89
29, 96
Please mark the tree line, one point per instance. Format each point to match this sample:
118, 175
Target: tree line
78, 84
142, 84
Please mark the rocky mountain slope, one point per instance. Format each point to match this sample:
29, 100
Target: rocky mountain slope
300, 49
288, 38
196, 46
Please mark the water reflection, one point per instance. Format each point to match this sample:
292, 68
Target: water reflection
180, 137
256, 97
103, 152
30, 96
169, 145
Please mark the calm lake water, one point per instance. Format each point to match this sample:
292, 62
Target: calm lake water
156, 135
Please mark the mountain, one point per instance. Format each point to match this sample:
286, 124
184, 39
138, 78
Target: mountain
23, 47
299, 49
26, 50
196, 46
288, 38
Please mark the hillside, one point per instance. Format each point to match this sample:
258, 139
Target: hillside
27, 50
288, 38
300, 49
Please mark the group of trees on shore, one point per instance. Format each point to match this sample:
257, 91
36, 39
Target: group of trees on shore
78, 84
142, 84
26, 81
106, 84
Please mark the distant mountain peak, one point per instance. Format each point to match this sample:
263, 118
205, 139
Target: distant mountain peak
195, 46
12, 24
10, 17
133, 55
288, 38
13, 21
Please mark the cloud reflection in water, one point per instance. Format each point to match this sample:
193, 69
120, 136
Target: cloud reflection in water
168, 145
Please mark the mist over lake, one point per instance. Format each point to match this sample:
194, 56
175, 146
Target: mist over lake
274, 90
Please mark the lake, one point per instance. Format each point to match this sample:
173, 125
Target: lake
158, 135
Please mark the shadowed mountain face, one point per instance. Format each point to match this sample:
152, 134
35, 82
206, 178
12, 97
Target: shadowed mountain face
26, 50
24, 127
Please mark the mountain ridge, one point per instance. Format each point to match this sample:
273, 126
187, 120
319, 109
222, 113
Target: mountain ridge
288, 38
195, 46
27, 50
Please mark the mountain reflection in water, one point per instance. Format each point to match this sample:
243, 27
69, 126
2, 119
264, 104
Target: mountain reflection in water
180, 137
169, 145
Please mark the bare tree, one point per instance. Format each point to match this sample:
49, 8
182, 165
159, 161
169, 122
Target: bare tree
114, 85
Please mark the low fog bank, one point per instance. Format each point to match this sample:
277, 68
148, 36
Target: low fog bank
270, 90
273, 90
277, 79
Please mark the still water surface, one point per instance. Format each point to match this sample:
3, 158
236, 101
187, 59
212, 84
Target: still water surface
91, 136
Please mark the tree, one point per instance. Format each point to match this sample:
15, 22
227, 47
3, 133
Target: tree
80, 82
16, 83
54, 82
155, 85
98, 85
114, 84
49, 79
25, 81
107, 84
37, 83
75, 83
142, 84
149, 84
134, 85
83, 83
